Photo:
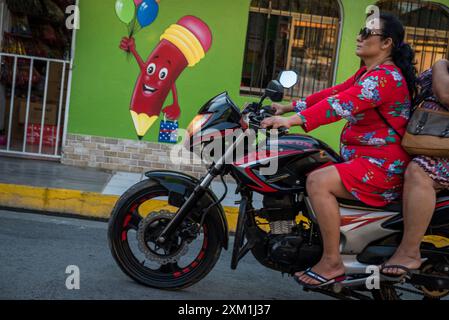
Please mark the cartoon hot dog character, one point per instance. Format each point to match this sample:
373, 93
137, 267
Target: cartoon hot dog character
182, 45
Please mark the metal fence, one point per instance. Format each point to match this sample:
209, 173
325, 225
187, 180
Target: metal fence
427, 28
34, 93
34, 125
300, 35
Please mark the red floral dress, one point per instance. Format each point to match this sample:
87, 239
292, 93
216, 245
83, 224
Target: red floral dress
374, 159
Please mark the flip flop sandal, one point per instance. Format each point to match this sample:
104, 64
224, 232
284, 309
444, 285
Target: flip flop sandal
400, 277
315, 276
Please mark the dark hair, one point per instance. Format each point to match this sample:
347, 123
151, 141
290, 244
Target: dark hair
403, 55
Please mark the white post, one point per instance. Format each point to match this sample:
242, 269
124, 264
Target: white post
11, 108
61, 97
30, 86
44, 107
69, 85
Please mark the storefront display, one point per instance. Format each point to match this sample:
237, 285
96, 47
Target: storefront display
35, 52
38, 29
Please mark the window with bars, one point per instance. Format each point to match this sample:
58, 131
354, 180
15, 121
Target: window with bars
300, 35
427, 28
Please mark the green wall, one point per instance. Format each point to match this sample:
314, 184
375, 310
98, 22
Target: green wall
104, 76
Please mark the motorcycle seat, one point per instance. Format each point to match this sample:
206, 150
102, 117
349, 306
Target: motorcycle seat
392, 207
443, 193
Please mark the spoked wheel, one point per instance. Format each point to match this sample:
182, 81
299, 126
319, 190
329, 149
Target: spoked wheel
138, 218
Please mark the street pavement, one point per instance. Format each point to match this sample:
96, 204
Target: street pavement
35, 251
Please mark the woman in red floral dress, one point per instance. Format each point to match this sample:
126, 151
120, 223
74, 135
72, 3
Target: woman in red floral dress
374, 159
424, 177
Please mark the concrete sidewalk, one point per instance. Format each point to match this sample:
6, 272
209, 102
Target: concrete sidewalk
51, 187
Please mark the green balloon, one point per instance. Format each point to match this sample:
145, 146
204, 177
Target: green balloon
125, 10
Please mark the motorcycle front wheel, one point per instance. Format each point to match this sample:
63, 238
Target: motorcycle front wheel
137, 219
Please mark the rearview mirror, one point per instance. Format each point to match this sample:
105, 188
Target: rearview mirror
275, 91
288, 79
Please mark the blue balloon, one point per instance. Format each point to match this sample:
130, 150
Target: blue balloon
147, 12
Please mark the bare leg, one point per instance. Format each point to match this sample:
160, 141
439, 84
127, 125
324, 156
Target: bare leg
323, 187
419, 205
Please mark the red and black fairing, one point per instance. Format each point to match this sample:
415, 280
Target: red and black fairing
297, 156
223, 116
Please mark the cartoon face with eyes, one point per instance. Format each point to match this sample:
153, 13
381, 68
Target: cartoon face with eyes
183, 44
154, 78
157, 78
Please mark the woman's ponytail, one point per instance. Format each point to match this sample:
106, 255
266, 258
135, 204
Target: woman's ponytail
404, 58
402, 53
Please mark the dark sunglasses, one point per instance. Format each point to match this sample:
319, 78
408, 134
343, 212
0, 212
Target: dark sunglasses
365, 33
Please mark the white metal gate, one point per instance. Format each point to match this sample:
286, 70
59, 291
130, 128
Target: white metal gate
34, 135
27, 131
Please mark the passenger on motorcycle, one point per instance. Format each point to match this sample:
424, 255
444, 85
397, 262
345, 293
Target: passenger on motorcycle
423, 178
374, 161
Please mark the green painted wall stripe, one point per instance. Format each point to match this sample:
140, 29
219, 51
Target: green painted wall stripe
104, 76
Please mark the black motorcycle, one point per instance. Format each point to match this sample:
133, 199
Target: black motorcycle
168, 231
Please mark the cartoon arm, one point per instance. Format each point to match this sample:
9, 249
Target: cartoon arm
129, 45
173, 111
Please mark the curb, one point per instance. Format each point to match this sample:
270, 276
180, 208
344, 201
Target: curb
71, 202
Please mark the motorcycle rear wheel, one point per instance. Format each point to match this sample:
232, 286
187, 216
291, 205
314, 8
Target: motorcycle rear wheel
388, 291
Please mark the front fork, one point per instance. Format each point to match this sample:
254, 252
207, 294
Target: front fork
190, 203
199, 191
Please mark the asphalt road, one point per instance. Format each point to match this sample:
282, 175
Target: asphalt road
35, 251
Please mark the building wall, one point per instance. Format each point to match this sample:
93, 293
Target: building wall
122, 155
104, 76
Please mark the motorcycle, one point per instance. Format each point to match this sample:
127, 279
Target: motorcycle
168, 231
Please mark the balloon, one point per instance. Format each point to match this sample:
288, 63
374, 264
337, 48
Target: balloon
147, 12
138, 2
125, 10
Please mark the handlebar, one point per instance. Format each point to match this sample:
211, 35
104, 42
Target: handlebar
256, 115
269, 109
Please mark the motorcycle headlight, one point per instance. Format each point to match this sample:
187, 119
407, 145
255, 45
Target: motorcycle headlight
197, 123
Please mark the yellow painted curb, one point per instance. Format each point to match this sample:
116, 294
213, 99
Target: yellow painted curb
74, 202
57, 200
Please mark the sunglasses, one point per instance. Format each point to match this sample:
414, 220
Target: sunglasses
365, 33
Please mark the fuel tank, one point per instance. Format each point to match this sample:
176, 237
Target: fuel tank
282, 165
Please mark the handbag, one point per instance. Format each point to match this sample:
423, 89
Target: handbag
427, 130
427, 133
